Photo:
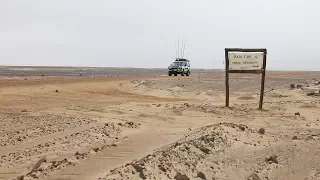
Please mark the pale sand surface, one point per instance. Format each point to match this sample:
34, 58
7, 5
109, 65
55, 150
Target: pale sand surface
159, 127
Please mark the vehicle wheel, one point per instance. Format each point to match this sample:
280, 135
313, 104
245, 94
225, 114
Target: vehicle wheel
175, 74
188, 73
170, 74
182, 74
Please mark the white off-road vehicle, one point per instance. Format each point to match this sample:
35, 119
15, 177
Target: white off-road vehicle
179, 66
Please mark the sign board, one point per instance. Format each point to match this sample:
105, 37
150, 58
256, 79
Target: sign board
246, 61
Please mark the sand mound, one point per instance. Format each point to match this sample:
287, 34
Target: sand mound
201, 155
222, 151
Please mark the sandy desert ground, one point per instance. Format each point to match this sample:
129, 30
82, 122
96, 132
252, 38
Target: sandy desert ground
158, 127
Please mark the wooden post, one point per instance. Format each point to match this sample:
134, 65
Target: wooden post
263, 78
227, 77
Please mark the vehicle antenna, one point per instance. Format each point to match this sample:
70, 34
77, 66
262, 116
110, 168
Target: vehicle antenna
178, 48
181, 53
184, 47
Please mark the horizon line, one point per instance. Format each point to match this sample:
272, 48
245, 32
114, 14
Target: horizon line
124, 67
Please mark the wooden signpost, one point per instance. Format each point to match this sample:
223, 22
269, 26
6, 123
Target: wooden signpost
246, 61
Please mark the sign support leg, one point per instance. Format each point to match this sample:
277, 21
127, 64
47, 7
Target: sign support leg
262, 90
227, 78
263, 79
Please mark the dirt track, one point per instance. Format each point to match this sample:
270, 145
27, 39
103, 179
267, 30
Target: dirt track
162, 127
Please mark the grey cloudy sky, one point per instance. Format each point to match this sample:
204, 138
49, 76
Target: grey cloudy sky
143, 33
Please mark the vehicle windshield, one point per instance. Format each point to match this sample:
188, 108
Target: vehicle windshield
177, 63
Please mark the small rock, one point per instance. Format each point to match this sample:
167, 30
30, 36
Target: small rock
20, 178
161, 167
261, 131
176, 144
186, 104
114, 145
95, 149
242, 127
312, 94
142, 175
38, 164
137, 167
254, 176
294, 138
34, 175
180, 176
297, 114
299, 87
57, 90
273, 158
292, 86
46, 144
205, 150
106, 133
77, 153
141, 162
201, 175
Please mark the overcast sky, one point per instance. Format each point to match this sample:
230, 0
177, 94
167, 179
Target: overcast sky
143, 33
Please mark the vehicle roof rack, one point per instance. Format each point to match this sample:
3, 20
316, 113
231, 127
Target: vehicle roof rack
182, 59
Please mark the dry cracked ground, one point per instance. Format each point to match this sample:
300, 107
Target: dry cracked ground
160, 127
